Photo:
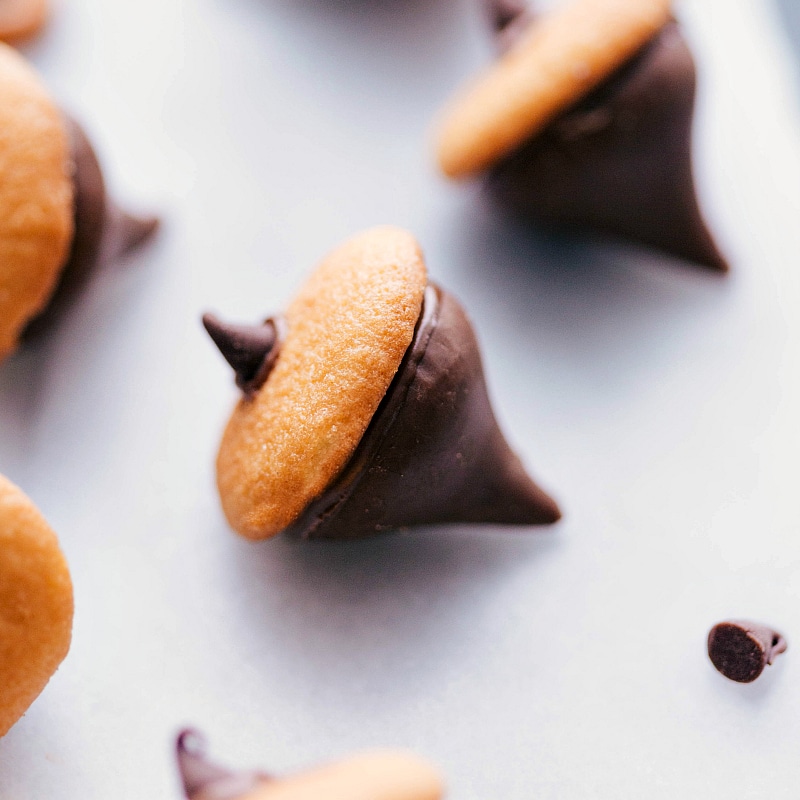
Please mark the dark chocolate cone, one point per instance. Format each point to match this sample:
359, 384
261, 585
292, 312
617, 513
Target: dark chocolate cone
250, 349
203, 780
102, 231
508, 18
433, 453
503, 12
620, 161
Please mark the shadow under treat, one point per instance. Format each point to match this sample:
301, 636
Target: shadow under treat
339, 610
404, 16
373, 44
51, 369
23, 382
789, 12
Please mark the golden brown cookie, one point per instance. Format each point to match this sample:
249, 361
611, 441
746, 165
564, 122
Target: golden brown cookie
36, 215
20, 19
388, 775
558, 60
347, 331
377, 775
35, 604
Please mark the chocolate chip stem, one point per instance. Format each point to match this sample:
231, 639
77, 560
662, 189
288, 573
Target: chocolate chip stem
204, 780
508, 19
250, 349
740, 649
504, 12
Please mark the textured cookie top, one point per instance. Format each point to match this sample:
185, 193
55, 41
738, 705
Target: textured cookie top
21, 18
371, 776
557, 61
35, 196
347, 331
35, 604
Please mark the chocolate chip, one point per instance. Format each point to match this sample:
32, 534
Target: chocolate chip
204, 780
250, 349
740, 650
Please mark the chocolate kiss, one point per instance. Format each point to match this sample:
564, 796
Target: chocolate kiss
203, 780
103, 232
620, 160
250, 349
433, 452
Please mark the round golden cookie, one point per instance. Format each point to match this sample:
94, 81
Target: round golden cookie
558, 60
347, 332
36, 215
35, 604
21, 18
372, 776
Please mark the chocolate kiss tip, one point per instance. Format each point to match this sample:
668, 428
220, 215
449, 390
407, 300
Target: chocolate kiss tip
135, 230
547, 508
195, 770
691, 238
511, 497
715, 261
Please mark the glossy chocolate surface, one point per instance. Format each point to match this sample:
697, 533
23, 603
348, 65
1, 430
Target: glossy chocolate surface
433, 453
251, 350
102, 232
619, 162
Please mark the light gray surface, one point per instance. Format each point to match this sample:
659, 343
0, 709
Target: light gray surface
658, 403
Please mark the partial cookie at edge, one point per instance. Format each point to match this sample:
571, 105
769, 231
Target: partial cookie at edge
36, 223
36, 604
20, 19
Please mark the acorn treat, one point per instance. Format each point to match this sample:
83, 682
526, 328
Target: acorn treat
380, 775
57, 223
20, 19
364, 408
35, 604
585, 122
